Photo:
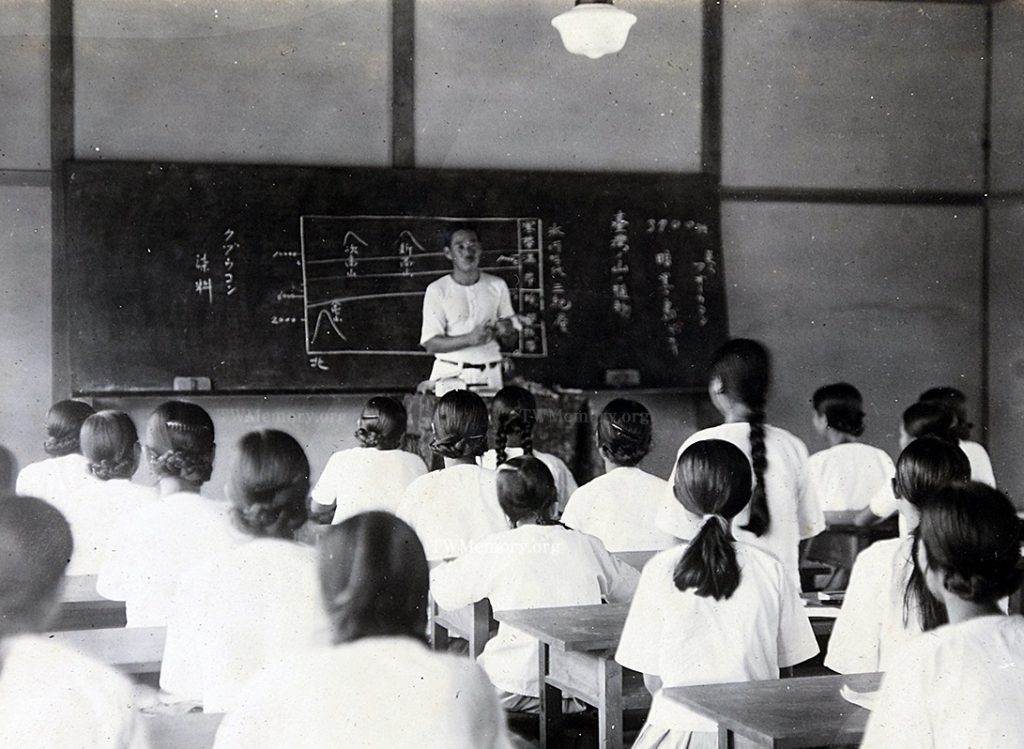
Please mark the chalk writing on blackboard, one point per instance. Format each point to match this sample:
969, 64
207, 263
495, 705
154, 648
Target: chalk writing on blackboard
622, 303
364, 275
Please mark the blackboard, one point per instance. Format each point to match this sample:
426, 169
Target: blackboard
267, 279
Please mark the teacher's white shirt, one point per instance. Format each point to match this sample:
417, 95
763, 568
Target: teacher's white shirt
451, 309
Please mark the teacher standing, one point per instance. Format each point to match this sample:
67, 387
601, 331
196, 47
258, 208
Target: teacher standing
465, 315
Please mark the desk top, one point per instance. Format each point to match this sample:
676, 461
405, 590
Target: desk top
572, 628
793, 713
81, 589
635, 559
137, 650
597, 627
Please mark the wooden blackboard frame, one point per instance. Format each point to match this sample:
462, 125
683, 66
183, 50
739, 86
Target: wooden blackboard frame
102, 198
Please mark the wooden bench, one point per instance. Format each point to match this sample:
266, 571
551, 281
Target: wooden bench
791, 713
135, 651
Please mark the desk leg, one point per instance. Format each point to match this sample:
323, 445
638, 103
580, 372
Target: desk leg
609, 684
438, 633
480, 631
729, 740
550, 705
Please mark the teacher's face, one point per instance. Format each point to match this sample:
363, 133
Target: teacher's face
464, 251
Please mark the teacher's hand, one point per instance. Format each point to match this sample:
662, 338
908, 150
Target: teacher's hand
482, 333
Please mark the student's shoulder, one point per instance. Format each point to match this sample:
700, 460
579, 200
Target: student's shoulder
77, 670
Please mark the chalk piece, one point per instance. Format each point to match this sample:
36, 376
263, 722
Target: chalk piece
192, 384
622, 377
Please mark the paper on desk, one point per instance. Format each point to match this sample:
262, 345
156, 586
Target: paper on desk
867, 700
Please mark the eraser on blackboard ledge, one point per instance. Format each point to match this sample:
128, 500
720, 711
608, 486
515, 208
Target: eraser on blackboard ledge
192, 384
622, 377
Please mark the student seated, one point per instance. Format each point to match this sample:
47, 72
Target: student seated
455, 507
956, 402
258, 602
962, 684
103, 506
57, 478
886, 602
178, 531
513, 417
375, 475
621, 507
921, 419
537, 564
780, 513
378, 686
848, 474
51, 697
714, 610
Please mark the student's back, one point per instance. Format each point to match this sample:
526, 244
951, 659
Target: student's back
243, 608
51, 697
534, 565
237, 611
689, 639
375, 475
102, 509
57, 478
846, 476
167, 537
621, 506
794, 515
101, 518
713, 610
455, 507
961, 684
377, 685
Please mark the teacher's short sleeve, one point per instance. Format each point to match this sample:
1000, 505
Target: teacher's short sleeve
504, 301
433, 313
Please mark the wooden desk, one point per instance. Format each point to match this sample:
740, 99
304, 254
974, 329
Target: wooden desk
81, 607
189, 731
582, 629
635, 559
790, 713
135, 651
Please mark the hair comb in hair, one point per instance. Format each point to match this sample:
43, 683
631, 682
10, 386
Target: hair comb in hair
181, 426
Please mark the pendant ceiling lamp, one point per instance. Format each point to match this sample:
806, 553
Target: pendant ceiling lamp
594, 28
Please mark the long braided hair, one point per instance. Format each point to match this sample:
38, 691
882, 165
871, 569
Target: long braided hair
742, 368
513, 413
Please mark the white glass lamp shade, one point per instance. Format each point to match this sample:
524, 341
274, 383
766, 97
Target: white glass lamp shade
594, 28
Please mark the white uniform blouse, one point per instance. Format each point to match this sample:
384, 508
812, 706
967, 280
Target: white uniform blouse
362, 479
162, 542
52, 697
100, 518
532, 566
869, 631
795, 515
847, 476
236, 611
621, 509
57, 480
374, 693
688, 639
453, 508
961, 685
